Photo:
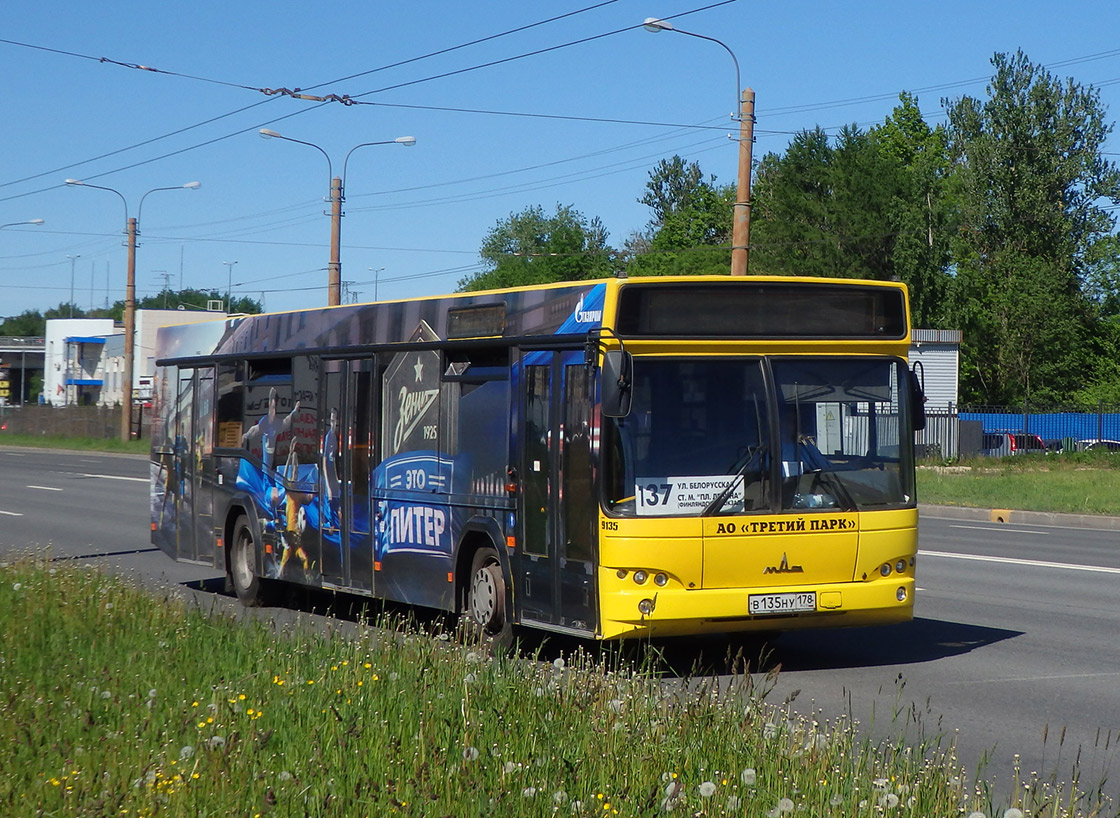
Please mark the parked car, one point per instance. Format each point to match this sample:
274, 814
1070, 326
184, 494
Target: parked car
1095, 444
1003, 444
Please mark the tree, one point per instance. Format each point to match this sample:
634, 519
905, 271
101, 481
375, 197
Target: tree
29, 323
689, 232
824, 210
1029, 175
531, 247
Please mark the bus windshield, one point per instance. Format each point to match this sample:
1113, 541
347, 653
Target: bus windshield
719, 436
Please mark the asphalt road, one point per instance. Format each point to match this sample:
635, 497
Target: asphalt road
1015, 648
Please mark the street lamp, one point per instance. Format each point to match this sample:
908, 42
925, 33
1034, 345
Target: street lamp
334, 273
741, 223
73, 260
229, 286
16, 224
377, 271
131, 230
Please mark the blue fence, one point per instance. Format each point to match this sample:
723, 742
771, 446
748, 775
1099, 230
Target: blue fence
1059, 425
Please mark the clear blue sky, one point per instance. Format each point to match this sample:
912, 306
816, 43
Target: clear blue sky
418, 214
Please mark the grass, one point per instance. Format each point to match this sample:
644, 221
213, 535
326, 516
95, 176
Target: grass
120, 704
85, 444
1084, 483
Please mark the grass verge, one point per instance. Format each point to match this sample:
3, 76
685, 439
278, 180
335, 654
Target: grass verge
84, 444
1087, 483
119, 704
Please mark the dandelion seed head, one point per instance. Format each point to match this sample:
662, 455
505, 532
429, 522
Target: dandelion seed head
284, 775
559, 797
889, 801
748, 776
707, 789
185, 752
734, 803
785, 805
836, 800
16, 586
558, 663
470, 753
977, 814
1013, 813
529, 792
508, 767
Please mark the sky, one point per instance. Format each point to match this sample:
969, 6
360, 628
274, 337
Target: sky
512, 105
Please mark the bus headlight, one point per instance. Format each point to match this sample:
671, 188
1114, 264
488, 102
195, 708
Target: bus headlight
660, 580
900, 594
621, 573
640, 577
885, 569
645, 607
900, 566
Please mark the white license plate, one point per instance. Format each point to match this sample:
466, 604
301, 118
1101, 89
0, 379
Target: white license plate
800, 602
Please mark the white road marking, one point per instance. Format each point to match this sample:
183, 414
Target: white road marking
11, 513
1099, 569
1001, 527
117, 477
45, 488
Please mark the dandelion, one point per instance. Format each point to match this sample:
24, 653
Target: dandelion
889, 801
558, 664
559, 797
836, 800
470, 678
1012, 813
880, 784
707, 789
734, 802
977, 814
152, 693
470, 753
528, 792
748, 776
769, 730
616, 706
785, 805
216, 742
186, 752
16, 586
105, 694
473, 658
284, 775
508, 767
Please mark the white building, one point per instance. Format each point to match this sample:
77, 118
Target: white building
936, 354
73, 370
84, 360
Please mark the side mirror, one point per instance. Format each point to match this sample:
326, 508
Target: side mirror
917, 403
616, 382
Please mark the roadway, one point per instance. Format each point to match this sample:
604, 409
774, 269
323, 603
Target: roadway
1015, 637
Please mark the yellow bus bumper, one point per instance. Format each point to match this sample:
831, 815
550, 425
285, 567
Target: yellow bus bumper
682, 612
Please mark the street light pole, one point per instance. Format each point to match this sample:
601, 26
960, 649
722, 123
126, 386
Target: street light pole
73, 260
334, 270
131, 231
741, 221
229, 287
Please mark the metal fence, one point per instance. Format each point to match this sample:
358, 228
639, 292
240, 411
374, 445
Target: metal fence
959, 431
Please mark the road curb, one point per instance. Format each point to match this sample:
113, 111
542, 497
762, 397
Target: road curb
1100, 522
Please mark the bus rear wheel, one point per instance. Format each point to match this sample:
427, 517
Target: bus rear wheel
486, 598
247, 584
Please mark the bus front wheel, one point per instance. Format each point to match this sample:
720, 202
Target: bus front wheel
486, 597
247, 584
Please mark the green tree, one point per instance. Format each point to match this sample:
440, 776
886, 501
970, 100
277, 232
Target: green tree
532, 247
921, 214
689, 232
1029, 175
29, 323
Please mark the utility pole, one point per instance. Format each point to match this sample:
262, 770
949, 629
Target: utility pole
129, 329
741, 225
334, 274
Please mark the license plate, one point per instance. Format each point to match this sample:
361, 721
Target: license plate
800, 602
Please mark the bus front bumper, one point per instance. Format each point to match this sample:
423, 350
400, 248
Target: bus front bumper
650, 611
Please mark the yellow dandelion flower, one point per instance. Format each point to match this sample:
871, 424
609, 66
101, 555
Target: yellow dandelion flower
201, 725
359, 683
367, 665
334, 667
55, 782
249, 712
311, 681
345, 662
209, 719
194, 704
241, 697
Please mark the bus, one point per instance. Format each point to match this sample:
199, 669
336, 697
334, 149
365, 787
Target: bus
609, 459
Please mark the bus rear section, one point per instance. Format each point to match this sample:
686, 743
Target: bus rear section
758, 492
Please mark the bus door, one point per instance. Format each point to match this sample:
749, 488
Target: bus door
558, 509
192, 468
344, 474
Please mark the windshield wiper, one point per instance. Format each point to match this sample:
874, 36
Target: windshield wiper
750, 457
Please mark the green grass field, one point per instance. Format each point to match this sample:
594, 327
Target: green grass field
120, 704
1086, 483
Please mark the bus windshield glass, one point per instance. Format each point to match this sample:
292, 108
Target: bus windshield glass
717, 436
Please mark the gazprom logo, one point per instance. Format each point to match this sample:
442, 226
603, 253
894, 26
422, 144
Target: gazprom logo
583, 316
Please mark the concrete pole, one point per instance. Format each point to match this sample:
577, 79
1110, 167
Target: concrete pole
334, 274
129, 333
741, 224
